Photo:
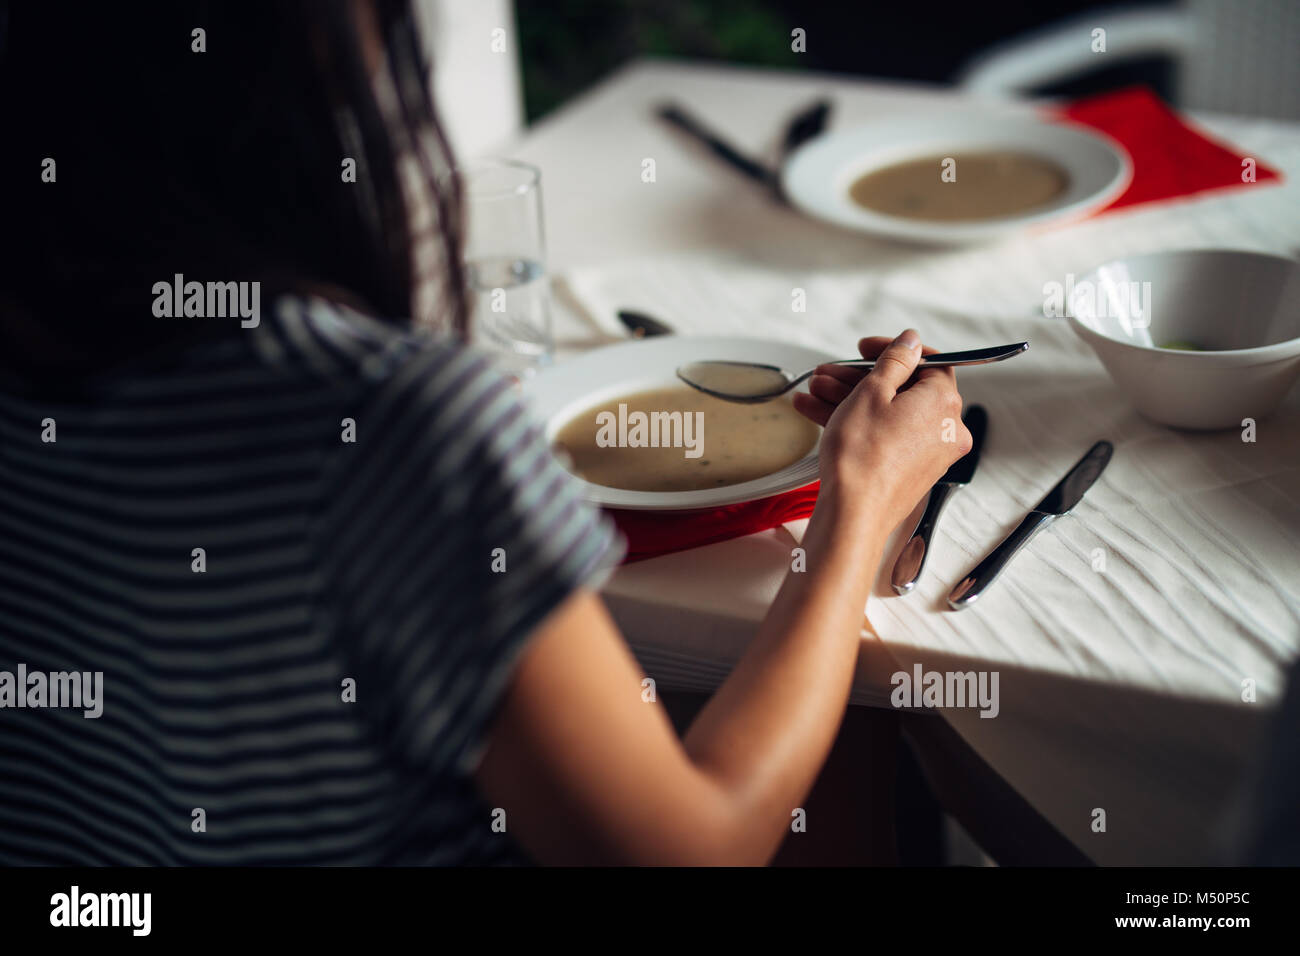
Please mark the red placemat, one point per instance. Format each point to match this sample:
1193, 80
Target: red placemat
1170, 157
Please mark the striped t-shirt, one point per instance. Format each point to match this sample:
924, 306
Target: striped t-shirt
305, 558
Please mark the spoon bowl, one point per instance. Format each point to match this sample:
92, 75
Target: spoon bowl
754, 382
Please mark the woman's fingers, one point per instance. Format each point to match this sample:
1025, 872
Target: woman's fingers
873, 345
946, 371
946, 374
895, 365
813, 408
847, 374
830, 389
870, 348
834, 383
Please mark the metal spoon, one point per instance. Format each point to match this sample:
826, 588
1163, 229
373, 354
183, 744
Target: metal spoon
752, 382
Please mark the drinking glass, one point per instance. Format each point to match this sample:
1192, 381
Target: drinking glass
505, 258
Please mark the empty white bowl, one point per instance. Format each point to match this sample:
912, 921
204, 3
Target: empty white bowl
1241, 309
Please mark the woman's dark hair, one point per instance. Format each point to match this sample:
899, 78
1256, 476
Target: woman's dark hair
222, 165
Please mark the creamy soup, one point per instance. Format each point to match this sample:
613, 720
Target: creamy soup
983, 186
735, 378
703, 442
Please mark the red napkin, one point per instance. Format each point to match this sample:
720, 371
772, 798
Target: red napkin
1170, 158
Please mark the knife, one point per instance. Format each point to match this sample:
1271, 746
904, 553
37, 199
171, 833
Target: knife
641, 326
1059, 501
688, 124
911, 562
805, 125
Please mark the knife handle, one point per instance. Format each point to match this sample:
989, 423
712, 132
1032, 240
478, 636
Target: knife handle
671, 113
911, 562
972, 586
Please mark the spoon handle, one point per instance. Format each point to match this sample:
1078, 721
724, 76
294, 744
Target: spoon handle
972, 357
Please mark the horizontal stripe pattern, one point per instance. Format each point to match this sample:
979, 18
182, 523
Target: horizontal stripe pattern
325, 560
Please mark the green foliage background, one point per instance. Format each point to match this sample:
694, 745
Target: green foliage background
566, 45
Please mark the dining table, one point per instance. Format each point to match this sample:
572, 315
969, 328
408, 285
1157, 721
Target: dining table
1142, 642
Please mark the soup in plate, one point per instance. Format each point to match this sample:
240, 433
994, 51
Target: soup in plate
678, 439
983, 186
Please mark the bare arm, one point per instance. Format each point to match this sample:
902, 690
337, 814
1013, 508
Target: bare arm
587, 772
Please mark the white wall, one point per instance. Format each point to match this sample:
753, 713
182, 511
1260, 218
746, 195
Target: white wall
478, 91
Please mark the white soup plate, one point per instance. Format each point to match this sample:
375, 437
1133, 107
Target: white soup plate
817, 177
561, 391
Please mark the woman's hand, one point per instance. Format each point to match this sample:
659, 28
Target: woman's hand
890, 433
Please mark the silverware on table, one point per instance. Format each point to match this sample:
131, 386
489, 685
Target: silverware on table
911, 562
641, 326
805, 125
1058, 501
750, 382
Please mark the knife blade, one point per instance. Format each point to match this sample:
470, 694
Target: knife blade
911, 561
1060, 500
641, 326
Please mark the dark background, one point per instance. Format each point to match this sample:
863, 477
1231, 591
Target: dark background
567, 45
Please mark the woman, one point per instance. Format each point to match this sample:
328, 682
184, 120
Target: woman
275, 533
